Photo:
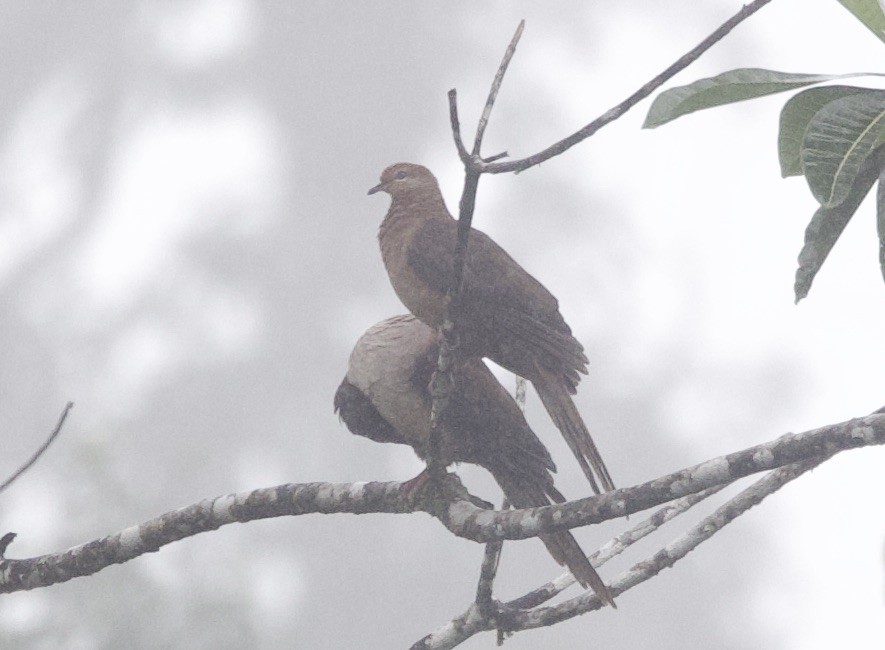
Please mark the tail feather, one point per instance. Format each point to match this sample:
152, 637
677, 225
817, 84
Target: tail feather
554, 394
562, 546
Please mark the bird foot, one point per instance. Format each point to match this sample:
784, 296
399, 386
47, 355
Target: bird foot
413, 486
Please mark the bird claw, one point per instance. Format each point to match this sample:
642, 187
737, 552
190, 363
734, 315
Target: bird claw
413, 486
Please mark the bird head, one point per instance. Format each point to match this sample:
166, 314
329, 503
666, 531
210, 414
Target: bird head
402, 178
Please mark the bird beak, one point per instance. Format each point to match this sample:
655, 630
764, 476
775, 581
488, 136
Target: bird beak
378, 188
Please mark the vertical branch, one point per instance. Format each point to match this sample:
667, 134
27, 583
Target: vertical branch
487, 573
496, 86
442, 383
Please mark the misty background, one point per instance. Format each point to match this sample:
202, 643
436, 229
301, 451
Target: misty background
188, 253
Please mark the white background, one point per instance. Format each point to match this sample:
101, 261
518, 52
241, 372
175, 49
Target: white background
187, 252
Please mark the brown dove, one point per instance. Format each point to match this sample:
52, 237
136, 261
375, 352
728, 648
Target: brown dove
385, 397
506, 314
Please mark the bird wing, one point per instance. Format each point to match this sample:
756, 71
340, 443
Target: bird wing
502, 300
489, 272
492, 426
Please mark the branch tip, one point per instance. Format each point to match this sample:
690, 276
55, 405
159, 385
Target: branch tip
33, 459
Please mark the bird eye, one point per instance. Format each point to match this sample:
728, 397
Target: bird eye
401, 174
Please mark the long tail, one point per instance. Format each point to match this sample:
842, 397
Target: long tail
557, 400
565, 550
562, 546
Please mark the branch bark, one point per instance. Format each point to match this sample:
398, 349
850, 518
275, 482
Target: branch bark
461, 513
523, 613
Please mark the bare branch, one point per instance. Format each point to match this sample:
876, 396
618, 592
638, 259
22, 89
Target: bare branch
33, 459
483, 526
672, 552
442, 383
475, 620
614, 548
496, 86
209, 514
460, 512
487, 573
617, 111
474, 166
518, 615
5, 541
463, 154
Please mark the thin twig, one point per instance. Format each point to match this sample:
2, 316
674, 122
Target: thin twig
617, 111
496, 86
672, 552
442, 383
613, 548
463, 154
471, 623
5, 541
33, 459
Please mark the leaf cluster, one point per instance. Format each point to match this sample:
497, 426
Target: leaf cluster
832, 135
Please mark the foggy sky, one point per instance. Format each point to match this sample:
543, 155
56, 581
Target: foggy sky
188, 253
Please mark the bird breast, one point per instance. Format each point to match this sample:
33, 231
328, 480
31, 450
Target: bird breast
396, 236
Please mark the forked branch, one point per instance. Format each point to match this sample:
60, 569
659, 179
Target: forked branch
459, 512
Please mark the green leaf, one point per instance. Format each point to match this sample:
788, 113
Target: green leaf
869, 12
838, 140
795, 116
727, 88
827, 224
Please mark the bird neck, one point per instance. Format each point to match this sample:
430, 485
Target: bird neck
419, 204
408, 212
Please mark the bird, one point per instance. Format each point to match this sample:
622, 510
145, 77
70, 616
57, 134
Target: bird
384, 396
505, 314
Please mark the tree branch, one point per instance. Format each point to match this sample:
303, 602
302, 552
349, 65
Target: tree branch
617, 111
672, 552
459, 511
518, 614
442, 382
33, 459
496, 86
475, 166
614, 547
470, 522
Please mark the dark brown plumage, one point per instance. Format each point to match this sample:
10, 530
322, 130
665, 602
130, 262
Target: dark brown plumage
385, 397
506, 315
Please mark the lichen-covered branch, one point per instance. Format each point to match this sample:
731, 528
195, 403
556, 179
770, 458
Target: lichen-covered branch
466, 520
209, 514
477, 619
614, 547
463, 514
671, 553
524, 613
443, 380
